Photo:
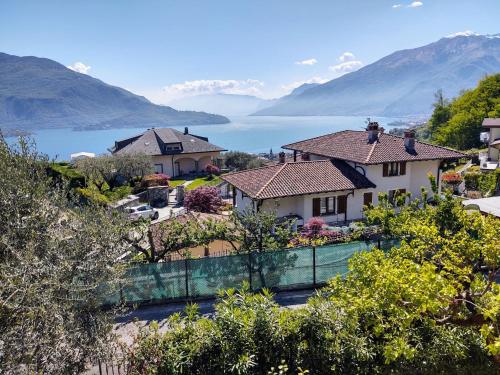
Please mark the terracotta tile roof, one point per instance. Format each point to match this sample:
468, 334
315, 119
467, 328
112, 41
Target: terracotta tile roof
353, 146
491, 123
299, 178
151, 143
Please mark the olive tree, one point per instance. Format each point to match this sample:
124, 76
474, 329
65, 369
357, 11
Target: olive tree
108, 169
55, 258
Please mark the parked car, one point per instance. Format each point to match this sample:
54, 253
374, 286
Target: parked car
142, 211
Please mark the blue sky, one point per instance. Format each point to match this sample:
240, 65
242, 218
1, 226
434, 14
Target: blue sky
166, 49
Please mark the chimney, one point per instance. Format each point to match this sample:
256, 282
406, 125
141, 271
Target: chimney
372, 129
305, 156
281, 157
410, 140
186, 130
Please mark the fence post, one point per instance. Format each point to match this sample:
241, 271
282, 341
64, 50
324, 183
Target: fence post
378, 242
186, 270
250, 269
314, 265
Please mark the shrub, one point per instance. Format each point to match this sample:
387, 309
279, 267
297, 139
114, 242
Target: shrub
158, 179
314, 225
92, 195
203, 199
212, 169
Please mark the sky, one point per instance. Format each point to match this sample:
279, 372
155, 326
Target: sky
170, 49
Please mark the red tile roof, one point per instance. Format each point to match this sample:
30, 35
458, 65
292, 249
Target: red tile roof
298, 178
353, 146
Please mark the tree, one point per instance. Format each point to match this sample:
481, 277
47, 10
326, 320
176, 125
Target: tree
109, 169
238, 160
458, 124
260, 230
431, 306
441, 113
54, 259
203, 199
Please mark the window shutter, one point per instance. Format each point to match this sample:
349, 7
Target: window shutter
342, 204
402, 168
367, 199
386, 170
316, 206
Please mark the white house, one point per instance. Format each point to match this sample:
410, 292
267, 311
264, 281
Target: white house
491, 160
335, 175
173, 152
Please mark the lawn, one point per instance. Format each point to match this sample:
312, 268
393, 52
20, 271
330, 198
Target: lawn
176, 182
204, 181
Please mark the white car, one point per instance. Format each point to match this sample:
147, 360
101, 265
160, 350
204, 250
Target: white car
142, 211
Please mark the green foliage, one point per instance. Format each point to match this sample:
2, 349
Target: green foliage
261, 230
429, 307
204, 181
67, 172
486, 183
458, 123
54, 255
238, 160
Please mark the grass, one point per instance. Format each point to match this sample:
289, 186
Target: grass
204, 181
176, 182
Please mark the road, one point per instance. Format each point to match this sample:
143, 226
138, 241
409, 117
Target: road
128, 325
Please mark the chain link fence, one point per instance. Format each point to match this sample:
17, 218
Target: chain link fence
277, 270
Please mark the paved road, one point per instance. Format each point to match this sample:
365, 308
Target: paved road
128, 325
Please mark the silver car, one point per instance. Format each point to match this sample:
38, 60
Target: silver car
143, 211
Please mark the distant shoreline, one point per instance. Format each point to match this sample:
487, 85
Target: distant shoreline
10, 133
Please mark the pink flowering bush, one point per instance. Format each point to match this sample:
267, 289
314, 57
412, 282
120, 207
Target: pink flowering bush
212, 169
203, 199
314, 234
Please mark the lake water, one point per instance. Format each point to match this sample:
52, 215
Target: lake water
251, 134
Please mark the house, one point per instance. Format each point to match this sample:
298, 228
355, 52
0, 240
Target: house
491, 159
173, 152
335, 175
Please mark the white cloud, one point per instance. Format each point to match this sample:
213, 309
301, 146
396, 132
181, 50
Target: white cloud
416, 4
307, 62
80, 67
347, 63
395, 6
288, 88
213, 86
462, 33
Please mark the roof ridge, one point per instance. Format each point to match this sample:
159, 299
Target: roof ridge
371, 151
271, 179
426, 143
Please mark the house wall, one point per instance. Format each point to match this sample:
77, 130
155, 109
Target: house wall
186, 162
412, 181
493, 152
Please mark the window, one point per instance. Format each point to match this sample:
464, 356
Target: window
158, 168
394, 169
324, 206
367, 199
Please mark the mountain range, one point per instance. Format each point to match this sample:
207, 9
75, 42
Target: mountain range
402, 83
41, 93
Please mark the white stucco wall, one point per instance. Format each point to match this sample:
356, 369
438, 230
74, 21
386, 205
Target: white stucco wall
493, 152
412, 181
186, 161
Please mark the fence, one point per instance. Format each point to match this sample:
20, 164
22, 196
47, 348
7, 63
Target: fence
197, 278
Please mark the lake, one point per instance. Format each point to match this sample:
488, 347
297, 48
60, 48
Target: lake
245, 133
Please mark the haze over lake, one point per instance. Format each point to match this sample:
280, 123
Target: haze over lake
250, 134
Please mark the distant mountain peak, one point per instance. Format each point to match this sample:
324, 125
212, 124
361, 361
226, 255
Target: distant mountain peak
41, 93
402, 83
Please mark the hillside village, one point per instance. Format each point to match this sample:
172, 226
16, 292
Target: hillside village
249, 188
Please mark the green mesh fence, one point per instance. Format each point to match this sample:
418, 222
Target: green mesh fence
280, 270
